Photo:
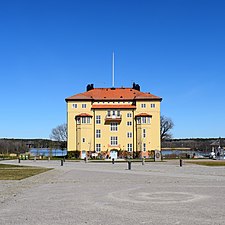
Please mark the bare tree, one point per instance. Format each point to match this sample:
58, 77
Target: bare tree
59, 133
166, 124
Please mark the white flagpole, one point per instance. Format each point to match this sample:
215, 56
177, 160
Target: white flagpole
113, 69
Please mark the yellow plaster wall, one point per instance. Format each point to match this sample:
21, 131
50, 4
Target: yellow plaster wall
87, 131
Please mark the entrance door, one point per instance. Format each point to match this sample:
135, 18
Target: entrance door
113, 154
83, 154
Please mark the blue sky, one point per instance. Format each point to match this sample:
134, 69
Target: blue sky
50, 50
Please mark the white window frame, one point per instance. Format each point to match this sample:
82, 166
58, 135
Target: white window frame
143, 120
86, 120
98, 133
114, 141
98, 148
129, 115
143, 105
143, 133
152, 105
98, 119
144, 147
129, 134
129, 147
84, 106
129, 123
78, 120
138, 120
113, 126
74, 105
83, 140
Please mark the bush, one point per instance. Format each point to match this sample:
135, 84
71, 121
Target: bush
73, 154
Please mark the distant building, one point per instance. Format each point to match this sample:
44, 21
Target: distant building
113, 121
218, 148
216, 144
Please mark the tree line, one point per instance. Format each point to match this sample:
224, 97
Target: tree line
19, 146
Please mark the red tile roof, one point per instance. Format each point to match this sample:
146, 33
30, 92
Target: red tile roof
116, 106
83, 115
143, 115
101, 94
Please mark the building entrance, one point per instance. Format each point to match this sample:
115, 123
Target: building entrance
113, 154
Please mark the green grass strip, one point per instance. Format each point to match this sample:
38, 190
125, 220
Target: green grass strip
208, 163
14, 172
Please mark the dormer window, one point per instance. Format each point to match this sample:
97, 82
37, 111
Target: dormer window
83, 118
86, 120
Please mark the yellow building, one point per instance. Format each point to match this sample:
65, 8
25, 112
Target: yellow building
113, 122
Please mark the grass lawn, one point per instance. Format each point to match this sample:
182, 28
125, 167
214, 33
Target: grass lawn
14, 172
208, 163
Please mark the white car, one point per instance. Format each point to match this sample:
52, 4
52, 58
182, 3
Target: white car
212, 155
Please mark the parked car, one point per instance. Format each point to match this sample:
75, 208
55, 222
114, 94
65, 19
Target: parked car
212, 155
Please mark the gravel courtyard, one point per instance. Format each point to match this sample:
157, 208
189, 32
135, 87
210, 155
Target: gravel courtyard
102, 193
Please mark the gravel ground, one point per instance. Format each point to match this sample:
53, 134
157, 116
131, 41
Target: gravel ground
102, 193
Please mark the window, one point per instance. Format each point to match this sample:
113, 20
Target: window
113, 112
84, 106
113, 126
74, 106
152, 105
113, 141
129, 147
139, 120
144, 147
143, 105
108, 113
129, 123
98, 147
98, 133
144, 133
118, 113
78, 120
86, 120
129, 134
98, 119
143, 120
83, 140
129, 115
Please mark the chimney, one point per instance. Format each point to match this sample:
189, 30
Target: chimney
90, 87
136, 87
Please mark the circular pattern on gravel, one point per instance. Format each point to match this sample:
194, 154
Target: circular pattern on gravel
140, 195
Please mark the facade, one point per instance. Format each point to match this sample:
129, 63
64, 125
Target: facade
113, 122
